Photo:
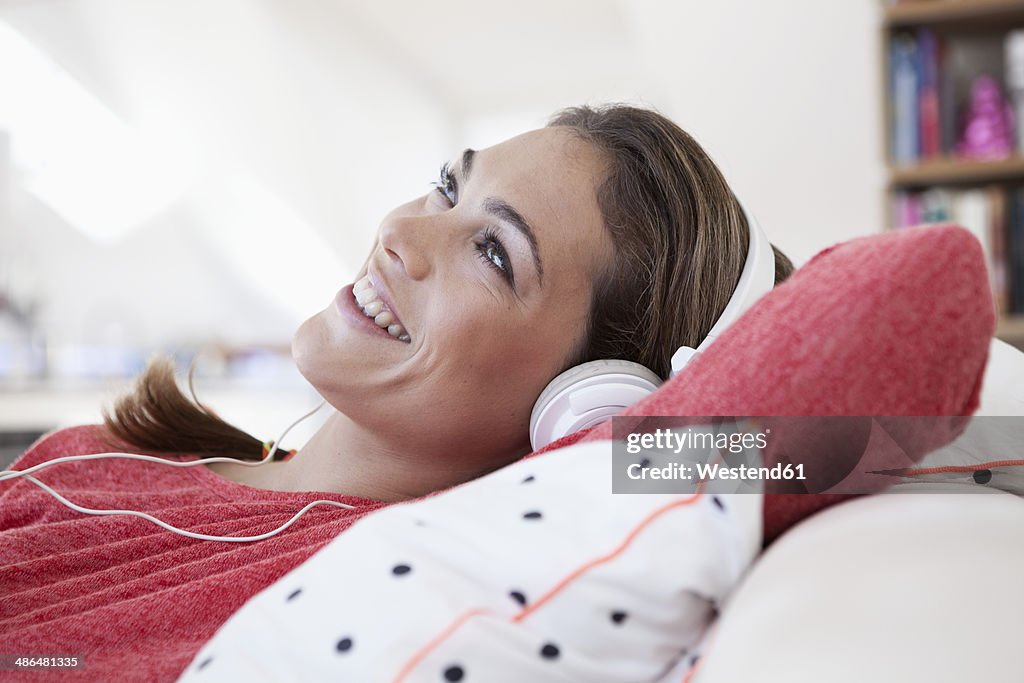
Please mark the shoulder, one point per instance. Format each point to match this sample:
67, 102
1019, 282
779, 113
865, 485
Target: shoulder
77, 440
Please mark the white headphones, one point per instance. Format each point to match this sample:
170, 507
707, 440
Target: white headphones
590, 393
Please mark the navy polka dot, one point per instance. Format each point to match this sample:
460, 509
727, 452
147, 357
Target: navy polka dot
527, 480
454, 673
518, 597
401, 569
203, 664
420, 522
532, 515
294, 594
694, 659
646, 462
718, 502
618, 617
344, 645
549, 651
982, 476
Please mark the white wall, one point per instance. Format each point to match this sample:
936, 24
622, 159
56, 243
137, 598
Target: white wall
785, 95
340, 110
287, 102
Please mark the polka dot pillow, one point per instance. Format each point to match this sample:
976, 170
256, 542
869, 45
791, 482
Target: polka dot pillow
532, 573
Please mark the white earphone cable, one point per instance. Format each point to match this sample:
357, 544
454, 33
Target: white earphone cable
12, 474
183, 532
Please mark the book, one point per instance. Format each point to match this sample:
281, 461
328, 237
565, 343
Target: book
936, 206
904, 83
929, 131
906, 209
947, 100
972, 209
1015, 250
1014, 56
997, 248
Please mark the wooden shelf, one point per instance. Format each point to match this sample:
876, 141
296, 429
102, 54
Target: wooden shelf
962, 12
1011, 328
956, 171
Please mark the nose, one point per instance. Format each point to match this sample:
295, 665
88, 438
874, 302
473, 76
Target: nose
407, 242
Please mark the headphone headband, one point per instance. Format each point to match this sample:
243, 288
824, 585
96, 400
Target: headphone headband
756, 279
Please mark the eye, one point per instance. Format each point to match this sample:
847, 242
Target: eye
493, 253
446, 185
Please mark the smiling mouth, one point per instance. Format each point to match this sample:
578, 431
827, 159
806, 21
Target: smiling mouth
376, 310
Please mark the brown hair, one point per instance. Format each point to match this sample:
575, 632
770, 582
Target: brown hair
678, 233
157, 416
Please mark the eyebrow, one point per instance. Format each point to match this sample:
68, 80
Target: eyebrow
467, 163
505, 212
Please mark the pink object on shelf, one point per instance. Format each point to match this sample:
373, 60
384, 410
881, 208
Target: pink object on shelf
987, 132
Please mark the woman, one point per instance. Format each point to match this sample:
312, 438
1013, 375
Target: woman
608, 234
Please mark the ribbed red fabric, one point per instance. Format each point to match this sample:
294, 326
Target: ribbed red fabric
135, 600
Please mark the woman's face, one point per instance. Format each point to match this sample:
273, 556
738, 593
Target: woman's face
488, 280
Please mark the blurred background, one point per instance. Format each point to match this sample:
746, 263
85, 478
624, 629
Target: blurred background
197, 178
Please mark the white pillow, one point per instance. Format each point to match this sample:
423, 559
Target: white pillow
886, 588
995, 434
1002, 389
535, 572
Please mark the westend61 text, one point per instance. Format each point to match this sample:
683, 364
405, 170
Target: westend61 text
709, 472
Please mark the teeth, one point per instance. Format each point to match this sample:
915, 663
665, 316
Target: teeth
366, 296
375, 309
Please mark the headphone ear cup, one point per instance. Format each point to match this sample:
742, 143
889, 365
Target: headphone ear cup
587, 394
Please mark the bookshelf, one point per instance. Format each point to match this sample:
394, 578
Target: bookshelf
934, 52
956, 172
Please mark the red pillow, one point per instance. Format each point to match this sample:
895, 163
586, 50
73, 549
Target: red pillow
897, 323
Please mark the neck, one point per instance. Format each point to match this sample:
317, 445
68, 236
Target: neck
342, 457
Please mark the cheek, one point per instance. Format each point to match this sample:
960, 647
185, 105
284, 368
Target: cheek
509, 358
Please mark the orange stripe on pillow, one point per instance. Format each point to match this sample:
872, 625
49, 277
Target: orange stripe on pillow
420, 654
604, 558
959, 468
437, 640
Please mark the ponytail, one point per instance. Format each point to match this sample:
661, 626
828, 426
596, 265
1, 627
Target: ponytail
157, 416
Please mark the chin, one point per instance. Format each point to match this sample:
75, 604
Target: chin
307, 346
322, 361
